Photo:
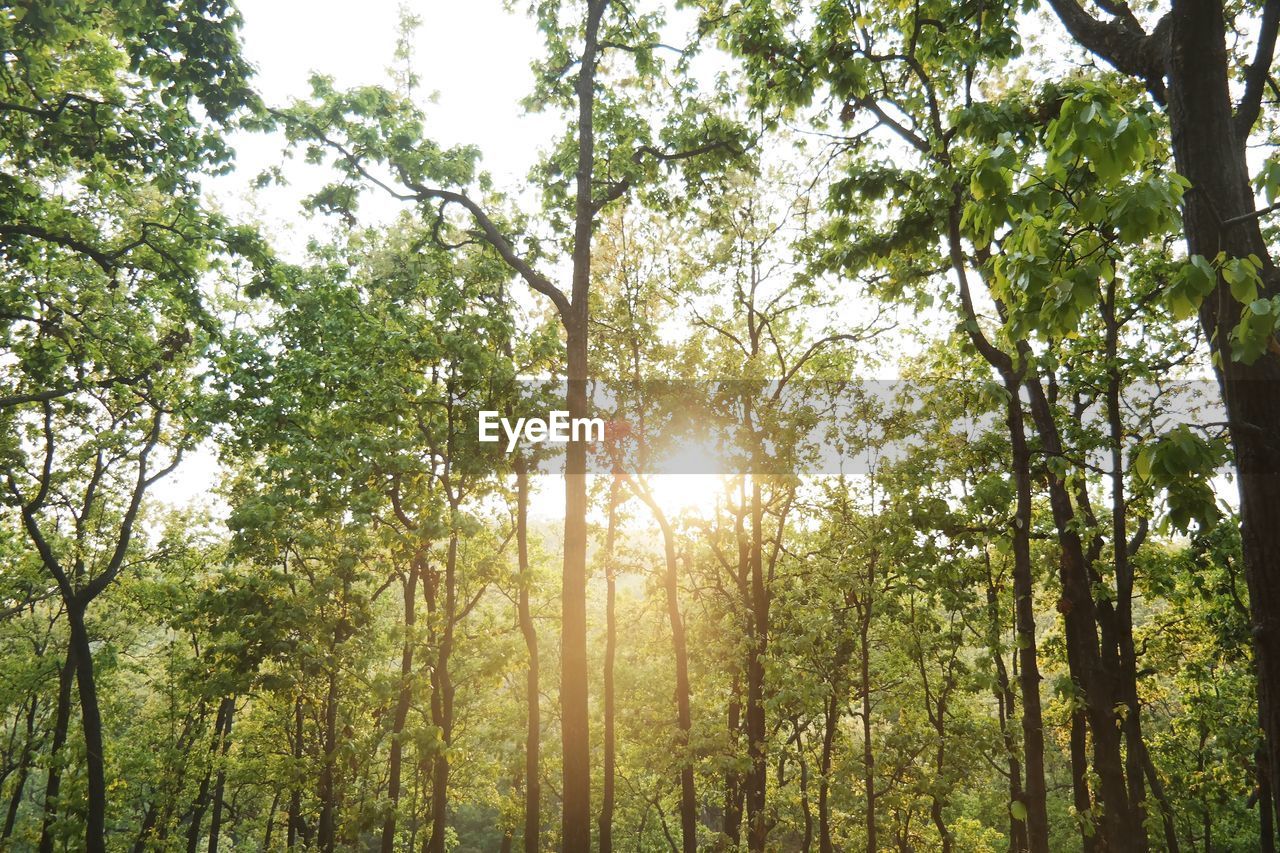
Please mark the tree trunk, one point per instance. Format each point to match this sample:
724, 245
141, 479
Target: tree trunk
91, 723
61, 721
757, 733
1082, 798
1092, 659
442, 698
575, 727
807, 843
326, 829
864, 672
610, 653
831, 723
733, 792
533, 731
688, 795
403, 702
215, 820
1012, 374
201, 803
1034, 796
295, 793
1210, 153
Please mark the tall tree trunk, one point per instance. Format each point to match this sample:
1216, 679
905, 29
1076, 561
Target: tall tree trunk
271, 820
1081, 796
1012, 374
1122, 616
61, 721
295, 791
403, 701
864, 673
1209, 151
1034, 797
831, 723
533, 713
610, 654
733, 790
326, 828
807, 843
215, 820
1093, 660
442, 698
575, 727
1185, 63
1005, 704
91, 723
688, 795
201, 804
680, 653
757, 733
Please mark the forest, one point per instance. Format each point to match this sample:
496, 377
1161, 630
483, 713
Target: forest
937, 506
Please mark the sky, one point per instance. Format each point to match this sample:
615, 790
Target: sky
472, 59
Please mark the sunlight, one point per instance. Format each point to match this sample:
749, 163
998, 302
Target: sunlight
688, 493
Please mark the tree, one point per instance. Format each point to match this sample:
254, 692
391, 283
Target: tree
372, 127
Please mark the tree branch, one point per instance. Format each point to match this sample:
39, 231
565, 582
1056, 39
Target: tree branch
1121, 41
1255, 81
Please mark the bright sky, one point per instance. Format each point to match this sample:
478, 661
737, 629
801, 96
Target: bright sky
472, 59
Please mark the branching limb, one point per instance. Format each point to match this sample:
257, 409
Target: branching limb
1255, 81
1121, 42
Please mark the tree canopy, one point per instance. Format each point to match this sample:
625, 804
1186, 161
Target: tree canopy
933, 348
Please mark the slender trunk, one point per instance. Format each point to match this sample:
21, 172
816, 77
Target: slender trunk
159, 813
24, 769
201, 803
91, 723
868, 756
295, 791
688, 795
831, 722
326, 829
1209, 151
533, 731
610, 653
1166, 808
403, 702
805, 808
1093, 664
575, 728
733, 791
62, 720
680, 652
757, 733
936, 803
271, 820
442, 697
1037, 823
215, 820
1005, 704
1120, 547
1082, 798
1034, 797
